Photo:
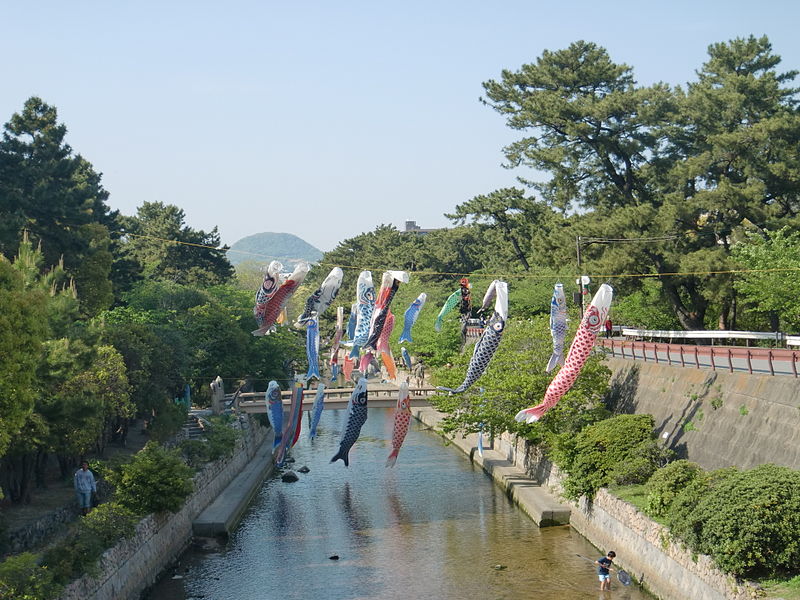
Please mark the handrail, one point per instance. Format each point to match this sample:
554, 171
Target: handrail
776, 336
713, 357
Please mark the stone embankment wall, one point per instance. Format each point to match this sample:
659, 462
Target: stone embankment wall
714, 418
135, 563
643, 547
645, 550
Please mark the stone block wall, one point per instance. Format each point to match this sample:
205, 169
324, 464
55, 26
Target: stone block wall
134, 564
645, 550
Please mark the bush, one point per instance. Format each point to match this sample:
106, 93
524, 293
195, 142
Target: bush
195, 452
666, 483
22, 578
74, 556
748, 521
622, 449
79, 552
221, 440
109, 523
156, 480
682, 517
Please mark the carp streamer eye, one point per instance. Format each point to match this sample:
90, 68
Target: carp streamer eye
498, 326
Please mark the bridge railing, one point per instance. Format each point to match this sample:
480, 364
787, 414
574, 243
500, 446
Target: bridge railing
698, 357
338, 398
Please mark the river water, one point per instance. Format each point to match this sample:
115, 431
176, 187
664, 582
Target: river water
433, 526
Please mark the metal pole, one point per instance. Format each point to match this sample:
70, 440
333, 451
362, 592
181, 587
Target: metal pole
580, 281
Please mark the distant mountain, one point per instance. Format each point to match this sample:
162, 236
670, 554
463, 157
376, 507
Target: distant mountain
266, 247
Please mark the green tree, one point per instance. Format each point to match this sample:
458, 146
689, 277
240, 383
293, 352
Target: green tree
46, 188
23, 326
159, 240
92, 275
516, 379
155, 354
511, 223
770, 290
452, 251
88, 405
677, 173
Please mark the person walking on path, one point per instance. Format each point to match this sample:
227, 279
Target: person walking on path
603, 568
609, 328
419, 374
85, 486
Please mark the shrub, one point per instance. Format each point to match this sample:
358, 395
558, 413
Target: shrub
622, 449
195, 452
749, 521
666, 483
75, 555
682, 517
109, 523
156, 480
22, 578
79, 552
221, 440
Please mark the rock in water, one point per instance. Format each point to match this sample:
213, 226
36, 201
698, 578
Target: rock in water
289, 477
303, 469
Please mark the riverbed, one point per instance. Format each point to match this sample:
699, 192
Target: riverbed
433, 526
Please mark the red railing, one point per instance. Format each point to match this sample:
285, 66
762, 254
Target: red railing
775, 360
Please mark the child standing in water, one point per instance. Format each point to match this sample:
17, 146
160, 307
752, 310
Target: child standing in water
603, 568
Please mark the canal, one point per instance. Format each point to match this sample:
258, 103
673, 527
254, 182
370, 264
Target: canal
434, 526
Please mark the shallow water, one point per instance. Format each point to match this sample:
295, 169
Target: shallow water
433, 526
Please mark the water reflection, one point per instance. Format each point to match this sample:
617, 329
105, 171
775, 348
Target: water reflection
432, 526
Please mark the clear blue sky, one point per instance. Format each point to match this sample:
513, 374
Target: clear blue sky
324, 119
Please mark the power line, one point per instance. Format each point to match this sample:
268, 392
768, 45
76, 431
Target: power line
513, 275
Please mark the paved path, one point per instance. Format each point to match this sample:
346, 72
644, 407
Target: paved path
223, 514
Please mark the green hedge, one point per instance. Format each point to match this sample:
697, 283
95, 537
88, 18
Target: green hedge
621, 450
665, 485
747, 521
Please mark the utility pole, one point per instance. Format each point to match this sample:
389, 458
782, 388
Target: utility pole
580, 281
579, 240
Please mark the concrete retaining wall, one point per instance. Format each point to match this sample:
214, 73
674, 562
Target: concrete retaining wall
134, 564
714, 418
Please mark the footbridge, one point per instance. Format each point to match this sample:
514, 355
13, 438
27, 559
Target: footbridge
381, 395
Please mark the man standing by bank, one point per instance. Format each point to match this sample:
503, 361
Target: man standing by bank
603, 568
84, 487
